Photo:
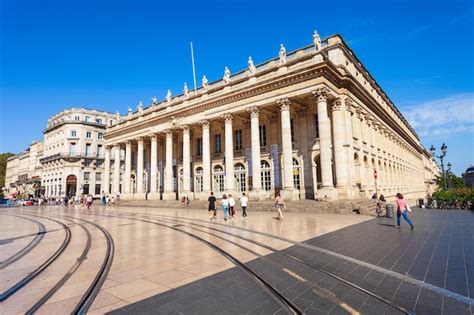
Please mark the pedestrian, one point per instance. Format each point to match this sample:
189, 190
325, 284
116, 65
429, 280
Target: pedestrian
374, 196
212, 206
244, 203
231, 207
102, 198
402, 210
112, 201
88, 201
279, 204
107, 200
225, 206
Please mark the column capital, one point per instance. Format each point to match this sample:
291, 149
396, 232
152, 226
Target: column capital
284, 104
227, 118
154, 137
168, 132
140, 140
205, 123
321, 94
117, 145
186, 129
338, 105
254, 111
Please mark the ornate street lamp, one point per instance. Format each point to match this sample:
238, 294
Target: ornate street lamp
444, 150
448, 175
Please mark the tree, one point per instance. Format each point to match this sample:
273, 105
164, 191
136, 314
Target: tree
3, 170
452, 181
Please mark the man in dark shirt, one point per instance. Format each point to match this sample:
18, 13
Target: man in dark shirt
212, 207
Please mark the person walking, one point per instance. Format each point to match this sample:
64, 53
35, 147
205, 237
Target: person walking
244, 201
402, 210
88, 201
279, 204
212, 207
225, 206
231, 207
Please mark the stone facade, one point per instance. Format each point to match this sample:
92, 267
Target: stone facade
311, 124
73, 161
23, 172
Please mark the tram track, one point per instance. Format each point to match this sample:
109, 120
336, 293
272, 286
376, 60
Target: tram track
38, 237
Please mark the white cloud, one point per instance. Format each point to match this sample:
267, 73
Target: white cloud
443, 117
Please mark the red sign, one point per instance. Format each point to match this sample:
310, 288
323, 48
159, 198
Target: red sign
375, 174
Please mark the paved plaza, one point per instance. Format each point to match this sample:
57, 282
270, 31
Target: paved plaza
56, 260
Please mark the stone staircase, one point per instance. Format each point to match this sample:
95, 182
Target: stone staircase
362, 206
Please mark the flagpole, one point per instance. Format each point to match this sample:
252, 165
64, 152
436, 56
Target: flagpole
194, 69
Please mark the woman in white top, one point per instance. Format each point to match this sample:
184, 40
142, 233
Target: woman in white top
225, 206
231, 207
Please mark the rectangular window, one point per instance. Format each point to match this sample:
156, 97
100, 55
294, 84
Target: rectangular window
88, 134
76, 118
316, 126
292, 129
88, 118
217, 143
86, 189
88, 149
72, 149
87, 175
199, 146
100, 163
99, 150
98, 176
73, 133
263, 135
237, 139
87, 163
100, 135
99, 121
97, 189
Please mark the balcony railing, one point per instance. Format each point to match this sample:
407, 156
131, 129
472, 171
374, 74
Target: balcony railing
78, 155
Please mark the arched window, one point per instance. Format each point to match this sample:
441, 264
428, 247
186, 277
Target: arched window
239, 174
266, 178
296, 174
218, 179
198, 180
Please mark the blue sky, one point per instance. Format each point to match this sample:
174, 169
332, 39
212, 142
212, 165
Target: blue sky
111, 54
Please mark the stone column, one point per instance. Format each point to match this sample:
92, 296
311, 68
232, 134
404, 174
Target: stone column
287, 150
340, 154
116, 183
186, 162
206, 158
128, 169
169, 193
327, 189
106, 182
140, 168
255, 143
154, 194
229, 154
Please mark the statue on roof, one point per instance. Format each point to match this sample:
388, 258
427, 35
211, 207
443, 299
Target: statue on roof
117, 116
205, 83
251, 66
140, 107
316, 40
186, 90
282, 54
154, 101
129, 111
226, 77
168, 96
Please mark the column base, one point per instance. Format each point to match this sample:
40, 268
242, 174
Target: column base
259, 195
139, 196
327, 193
154, 196
126, 196
343, 192
290, 194
170, 195
188, 194
201, 196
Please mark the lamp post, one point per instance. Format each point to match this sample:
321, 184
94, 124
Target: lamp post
444, 149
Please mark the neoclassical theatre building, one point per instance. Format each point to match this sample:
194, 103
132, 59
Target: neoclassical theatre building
310, 124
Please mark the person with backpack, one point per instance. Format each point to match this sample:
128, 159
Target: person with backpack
225, 206
402, 210
212, 206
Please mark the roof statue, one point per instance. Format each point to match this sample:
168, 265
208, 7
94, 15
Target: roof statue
316, 40
186, 90
117, 116
252, 68
140, 107
282, 54
205, 83
129, 111
226, 77
154, 101
168, 96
